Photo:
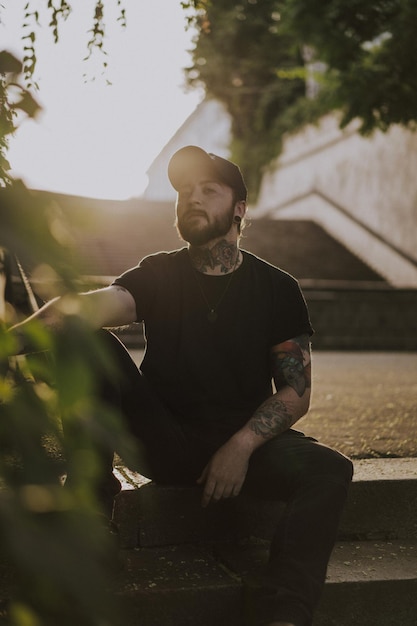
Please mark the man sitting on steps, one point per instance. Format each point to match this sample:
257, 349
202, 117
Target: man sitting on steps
221, 327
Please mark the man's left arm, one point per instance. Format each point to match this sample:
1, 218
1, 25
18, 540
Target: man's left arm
224, 475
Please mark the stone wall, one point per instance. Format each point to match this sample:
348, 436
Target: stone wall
356, 319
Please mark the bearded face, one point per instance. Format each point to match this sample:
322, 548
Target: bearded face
205, 212
198, 228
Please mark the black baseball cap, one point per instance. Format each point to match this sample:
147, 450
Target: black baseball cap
189, 158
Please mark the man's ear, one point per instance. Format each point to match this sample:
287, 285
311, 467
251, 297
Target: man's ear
240, 209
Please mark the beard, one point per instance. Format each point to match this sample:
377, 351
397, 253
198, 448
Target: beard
200, 234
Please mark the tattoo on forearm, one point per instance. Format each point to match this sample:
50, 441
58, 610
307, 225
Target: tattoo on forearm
291, 365
271, 419
223, 254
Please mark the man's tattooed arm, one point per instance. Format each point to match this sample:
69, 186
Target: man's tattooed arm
271, 419
291, 370
291, 364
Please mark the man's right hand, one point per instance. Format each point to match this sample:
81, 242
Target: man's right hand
225, 473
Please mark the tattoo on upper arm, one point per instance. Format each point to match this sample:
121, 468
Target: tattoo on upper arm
291, 364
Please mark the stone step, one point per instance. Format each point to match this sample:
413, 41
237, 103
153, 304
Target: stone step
177, 586
382, 504
369, 584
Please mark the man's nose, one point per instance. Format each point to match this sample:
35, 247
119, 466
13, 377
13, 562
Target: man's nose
195, 195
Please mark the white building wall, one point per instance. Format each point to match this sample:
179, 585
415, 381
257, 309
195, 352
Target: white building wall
208, 127
374, 179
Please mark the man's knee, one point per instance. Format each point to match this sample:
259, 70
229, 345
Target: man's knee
340, 468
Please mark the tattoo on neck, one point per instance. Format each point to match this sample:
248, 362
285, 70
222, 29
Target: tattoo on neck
224, 255
271, 419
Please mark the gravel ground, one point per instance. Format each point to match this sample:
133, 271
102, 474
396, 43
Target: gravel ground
363, 403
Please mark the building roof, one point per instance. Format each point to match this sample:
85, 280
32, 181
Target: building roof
113, 236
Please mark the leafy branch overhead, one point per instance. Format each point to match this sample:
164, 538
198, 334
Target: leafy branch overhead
277, 65
18, 78
14, 97
370, 52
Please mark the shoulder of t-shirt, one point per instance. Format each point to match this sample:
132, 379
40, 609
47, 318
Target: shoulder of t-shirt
163, 257
153, 263
264, 266
160, 259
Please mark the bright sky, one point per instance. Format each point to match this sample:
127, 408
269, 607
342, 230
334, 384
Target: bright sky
93, 139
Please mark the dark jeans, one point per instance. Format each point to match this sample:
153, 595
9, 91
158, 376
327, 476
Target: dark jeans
311, 478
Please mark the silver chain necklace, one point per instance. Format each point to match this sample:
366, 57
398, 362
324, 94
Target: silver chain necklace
212, 309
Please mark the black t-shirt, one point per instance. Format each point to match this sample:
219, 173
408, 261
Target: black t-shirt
218, 372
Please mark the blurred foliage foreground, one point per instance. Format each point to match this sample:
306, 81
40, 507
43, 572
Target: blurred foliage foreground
56, 553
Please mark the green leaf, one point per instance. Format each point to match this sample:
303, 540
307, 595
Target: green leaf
9, 64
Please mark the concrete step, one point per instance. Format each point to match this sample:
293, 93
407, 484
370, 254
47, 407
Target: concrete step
382, 504
177, 586
369, 584
188, 566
